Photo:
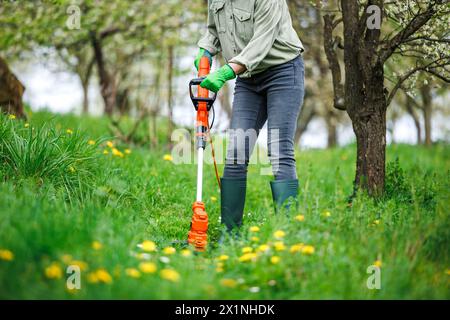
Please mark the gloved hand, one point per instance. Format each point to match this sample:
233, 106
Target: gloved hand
215, 81
202, 53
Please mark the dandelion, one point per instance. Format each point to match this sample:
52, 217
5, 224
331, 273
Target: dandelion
170, 275
275, 259
247, 249
143, 256
327, 214
69, 131
279, 234
254, 229
105, 151
169, 250
447, 272
254, 289
92, 277
254, 239
213, 199
80, 264
147, 267
91, 142
66, 258
248, 257
229, 283
71, 169
219, 269
263, 248
127, 151
109, 144
6, 255
272, 282
12, 117
148, 246
103, 276
296, 248
300, 218
132, 272
96, 245
376, 222
53, 271
164, 259
223, 257
186, 253
26, 125
279, 246
168, 157
378, 263
116, 152
308, 250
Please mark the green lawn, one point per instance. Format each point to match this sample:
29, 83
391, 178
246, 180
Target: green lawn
64, 202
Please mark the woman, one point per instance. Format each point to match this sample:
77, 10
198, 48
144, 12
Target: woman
258, 42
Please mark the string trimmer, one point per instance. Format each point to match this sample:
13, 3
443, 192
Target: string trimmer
202, 103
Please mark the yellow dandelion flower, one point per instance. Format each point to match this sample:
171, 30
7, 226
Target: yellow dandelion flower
219, 269
308, 250
279, 246
26, 125
127, 151
296, 248
169, 250
103, 276
376, 222
254, 229
213, 199
109, 144
69, 131
91, 142
378, 263
147, 267
116, 152
132, 272
54, 271
229, 283
279, 234
327, 214
247, 249
222, 257
105, 151
300, 217
275, 259
92, 277
148, 246
81, 264
219, 264
96, 245
263, 248
254, 239
248, 257
186, 253
6, 255
170, 275
12, 117
168, 157
447, 272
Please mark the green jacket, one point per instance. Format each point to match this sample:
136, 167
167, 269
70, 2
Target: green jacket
255, 33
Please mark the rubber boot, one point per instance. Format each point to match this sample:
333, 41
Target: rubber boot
232, 202
284, 194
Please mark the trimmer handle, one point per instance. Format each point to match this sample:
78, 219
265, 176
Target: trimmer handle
195, 100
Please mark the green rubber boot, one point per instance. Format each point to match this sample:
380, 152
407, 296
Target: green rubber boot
284, 194
232, 202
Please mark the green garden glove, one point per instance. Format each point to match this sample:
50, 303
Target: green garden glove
215, 81
202, 53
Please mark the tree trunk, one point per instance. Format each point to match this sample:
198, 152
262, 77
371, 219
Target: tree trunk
11, 92
427, 112
413, 114
107, 83
330, 120
85, 87
170, 97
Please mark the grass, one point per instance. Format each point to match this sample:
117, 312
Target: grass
95, 215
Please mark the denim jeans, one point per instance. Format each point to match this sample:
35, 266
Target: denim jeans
276, 96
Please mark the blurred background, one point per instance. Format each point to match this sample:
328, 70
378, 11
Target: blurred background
132, 60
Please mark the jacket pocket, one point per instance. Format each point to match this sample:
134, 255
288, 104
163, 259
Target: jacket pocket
244, 23
218, 9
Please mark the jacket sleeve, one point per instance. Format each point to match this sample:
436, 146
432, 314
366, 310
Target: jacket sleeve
267, 17
210, 40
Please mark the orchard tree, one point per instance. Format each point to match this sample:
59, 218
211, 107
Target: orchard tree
375, 31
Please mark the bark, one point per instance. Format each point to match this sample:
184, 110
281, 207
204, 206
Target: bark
330, 121
411, 111
11, 92
427, 112
108, 87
